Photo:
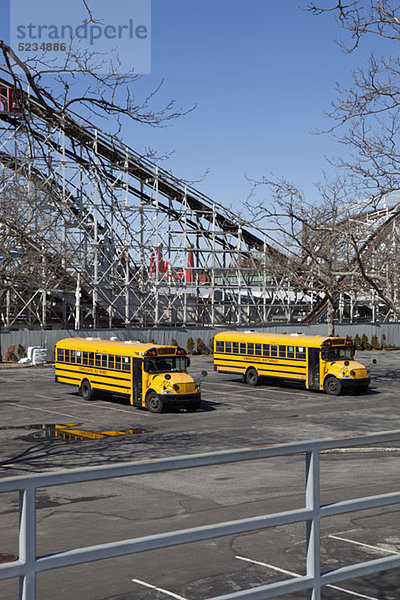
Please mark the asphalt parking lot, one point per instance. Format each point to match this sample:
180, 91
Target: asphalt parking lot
233, 415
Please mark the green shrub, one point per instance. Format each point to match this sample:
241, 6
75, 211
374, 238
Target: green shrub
201, 347
190, 345
375, 345
21, 351
174, 342
357, 342
383, 342
365, 345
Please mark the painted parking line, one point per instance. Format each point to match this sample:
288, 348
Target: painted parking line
93, 406
222, 383
83, 404
210, 393
333, 587
215, 392
158, 589
257, 389
53, 412
377, 548
262, 396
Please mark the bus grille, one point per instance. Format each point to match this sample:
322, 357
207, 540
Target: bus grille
186, 388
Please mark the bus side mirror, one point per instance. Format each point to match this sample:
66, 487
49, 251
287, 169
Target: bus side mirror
199, 379
374, 361
187, 363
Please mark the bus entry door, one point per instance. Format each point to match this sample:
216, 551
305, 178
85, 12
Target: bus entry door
137, 381
313, 368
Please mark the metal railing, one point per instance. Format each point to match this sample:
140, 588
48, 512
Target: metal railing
29, 564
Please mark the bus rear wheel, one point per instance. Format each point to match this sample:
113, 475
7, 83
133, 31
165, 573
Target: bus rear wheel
153, 403
252, 377
332, 386
86, 390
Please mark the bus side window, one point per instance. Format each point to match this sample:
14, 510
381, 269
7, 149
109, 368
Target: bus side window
78, 357
126, 364
91, 359
104, 361
250, 349
290, 352
282, 351
118, 363
265, 349
219, 346
66, 359
235, 348
98, 359
243, 348
85, 358
274, 350
60, 354
72, 356
228, 347
258, 349
111, 361
301, 352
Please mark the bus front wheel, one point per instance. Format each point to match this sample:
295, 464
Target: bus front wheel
333, 386
153, 403
86, 390
252, 377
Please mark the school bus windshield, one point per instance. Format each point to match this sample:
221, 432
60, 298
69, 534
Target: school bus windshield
165, 364
338, 353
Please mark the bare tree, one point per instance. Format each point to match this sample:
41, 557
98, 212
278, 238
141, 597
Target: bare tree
341, 242
365, 115
332, 249
87, 92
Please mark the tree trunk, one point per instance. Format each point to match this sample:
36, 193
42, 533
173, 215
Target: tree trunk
329, 317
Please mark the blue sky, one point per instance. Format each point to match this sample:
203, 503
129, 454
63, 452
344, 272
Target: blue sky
262, 74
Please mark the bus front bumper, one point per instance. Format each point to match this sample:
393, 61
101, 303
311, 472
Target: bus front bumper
181, 399
355, 384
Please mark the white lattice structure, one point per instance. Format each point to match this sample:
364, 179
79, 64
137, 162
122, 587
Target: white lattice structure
119, 240
110, 239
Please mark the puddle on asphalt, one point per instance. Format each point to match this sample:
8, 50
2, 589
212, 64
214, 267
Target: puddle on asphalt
70, 432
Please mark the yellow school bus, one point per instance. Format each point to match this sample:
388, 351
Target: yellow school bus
149, 375
322, 363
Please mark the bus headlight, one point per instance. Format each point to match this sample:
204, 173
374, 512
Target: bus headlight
353, 373
176, 387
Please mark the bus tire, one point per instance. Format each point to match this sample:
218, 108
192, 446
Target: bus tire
153, 403
86, 390
332, 386
252, 377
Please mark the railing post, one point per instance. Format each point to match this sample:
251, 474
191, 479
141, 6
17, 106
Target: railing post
313, 525
27, 543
